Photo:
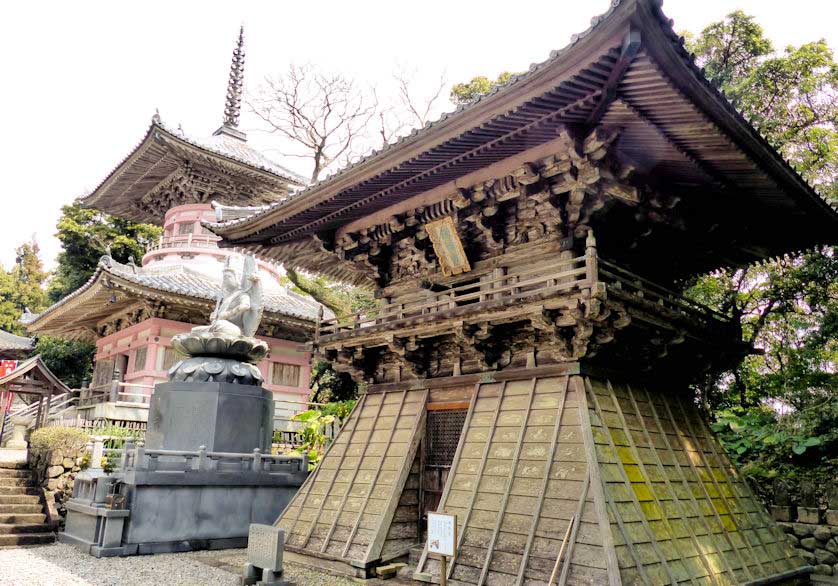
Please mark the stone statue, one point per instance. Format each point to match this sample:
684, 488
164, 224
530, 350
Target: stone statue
225, 350
239, 308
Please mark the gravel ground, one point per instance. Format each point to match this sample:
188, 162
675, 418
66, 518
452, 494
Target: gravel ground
63, 565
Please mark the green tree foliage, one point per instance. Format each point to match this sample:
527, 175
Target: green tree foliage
788, 307
328, 385
69, 360
463, 93
22, 288
84, 234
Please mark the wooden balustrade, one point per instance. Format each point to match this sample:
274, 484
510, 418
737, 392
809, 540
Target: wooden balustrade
562, 277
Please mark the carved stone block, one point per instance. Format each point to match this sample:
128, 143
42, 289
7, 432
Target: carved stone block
265, 544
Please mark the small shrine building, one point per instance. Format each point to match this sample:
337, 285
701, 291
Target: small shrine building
131, 311
530, 359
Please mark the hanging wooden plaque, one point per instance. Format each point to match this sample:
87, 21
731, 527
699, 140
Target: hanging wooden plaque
448, 247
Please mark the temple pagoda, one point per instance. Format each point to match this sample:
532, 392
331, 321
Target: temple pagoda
131, 311
529, 362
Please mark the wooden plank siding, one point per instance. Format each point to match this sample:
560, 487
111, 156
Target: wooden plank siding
654, 499
519, 479
346, 506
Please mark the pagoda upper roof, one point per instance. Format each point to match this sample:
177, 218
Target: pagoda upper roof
115, 288
164, 151
675, 127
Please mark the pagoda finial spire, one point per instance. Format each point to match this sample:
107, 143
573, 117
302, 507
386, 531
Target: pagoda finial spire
232, 108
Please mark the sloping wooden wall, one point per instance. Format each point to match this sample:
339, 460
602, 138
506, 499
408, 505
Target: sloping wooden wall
680, 511
519, 476
653, 499
345, 508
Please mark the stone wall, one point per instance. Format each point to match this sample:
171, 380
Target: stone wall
810, 519
817, 544
55, 470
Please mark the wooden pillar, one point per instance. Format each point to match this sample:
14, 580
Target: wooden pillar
45, 422
40, 408
3, 409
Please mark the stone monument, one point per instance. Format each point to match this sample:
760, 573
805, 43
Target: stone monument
206, 467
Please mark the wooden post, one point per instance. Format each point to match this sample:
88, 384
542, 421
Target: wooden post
317, 326
3, 410
45, 422
38, 416
443, 575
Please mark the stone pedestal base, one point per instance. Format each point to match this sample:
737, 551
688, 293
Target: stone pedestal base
224, 417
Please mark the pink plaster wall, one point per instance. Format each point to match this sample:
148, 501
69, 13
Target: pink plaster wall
156, 334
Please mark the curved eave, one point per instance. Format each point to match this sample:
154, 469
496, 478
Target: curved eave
179, 147
283, 223
90, 304
669, 52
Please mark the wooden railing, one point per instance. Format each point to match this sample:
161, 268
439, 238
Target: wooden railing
116, 391
542, 281
641, 288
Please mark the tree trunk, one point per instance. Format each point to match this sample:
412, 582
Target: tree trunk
740, 389
321, 294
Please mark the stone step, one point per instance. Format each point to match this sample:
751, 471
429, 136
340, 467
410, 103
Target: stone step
26, 539
19, 499
15, 473
18, 490
13, 465
16, 482
22, 518
8, 528
20, 509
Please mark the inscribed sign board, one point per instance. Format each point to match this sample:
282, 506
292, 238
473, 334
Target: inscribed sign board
442, 534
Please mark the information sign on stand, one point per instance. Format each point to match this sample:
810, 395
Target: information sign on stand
442, 540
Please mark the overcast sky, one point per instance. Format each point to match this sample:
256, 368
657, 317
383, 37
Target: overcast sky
81, 80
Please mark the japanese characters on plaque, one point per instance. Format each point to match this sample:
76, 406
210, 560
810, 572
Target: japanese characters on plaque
442, 534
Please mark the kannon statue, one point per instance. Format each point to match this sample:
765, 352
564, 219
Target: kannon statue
239, 308
226, 349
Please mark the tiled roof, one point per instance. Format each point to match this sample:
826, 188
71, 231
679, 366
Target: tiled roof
181, 280
10, 341
417, 133
225, 212
515, 80
238, 150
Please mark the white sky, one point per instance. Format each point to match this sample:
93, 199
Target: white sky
81, 80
